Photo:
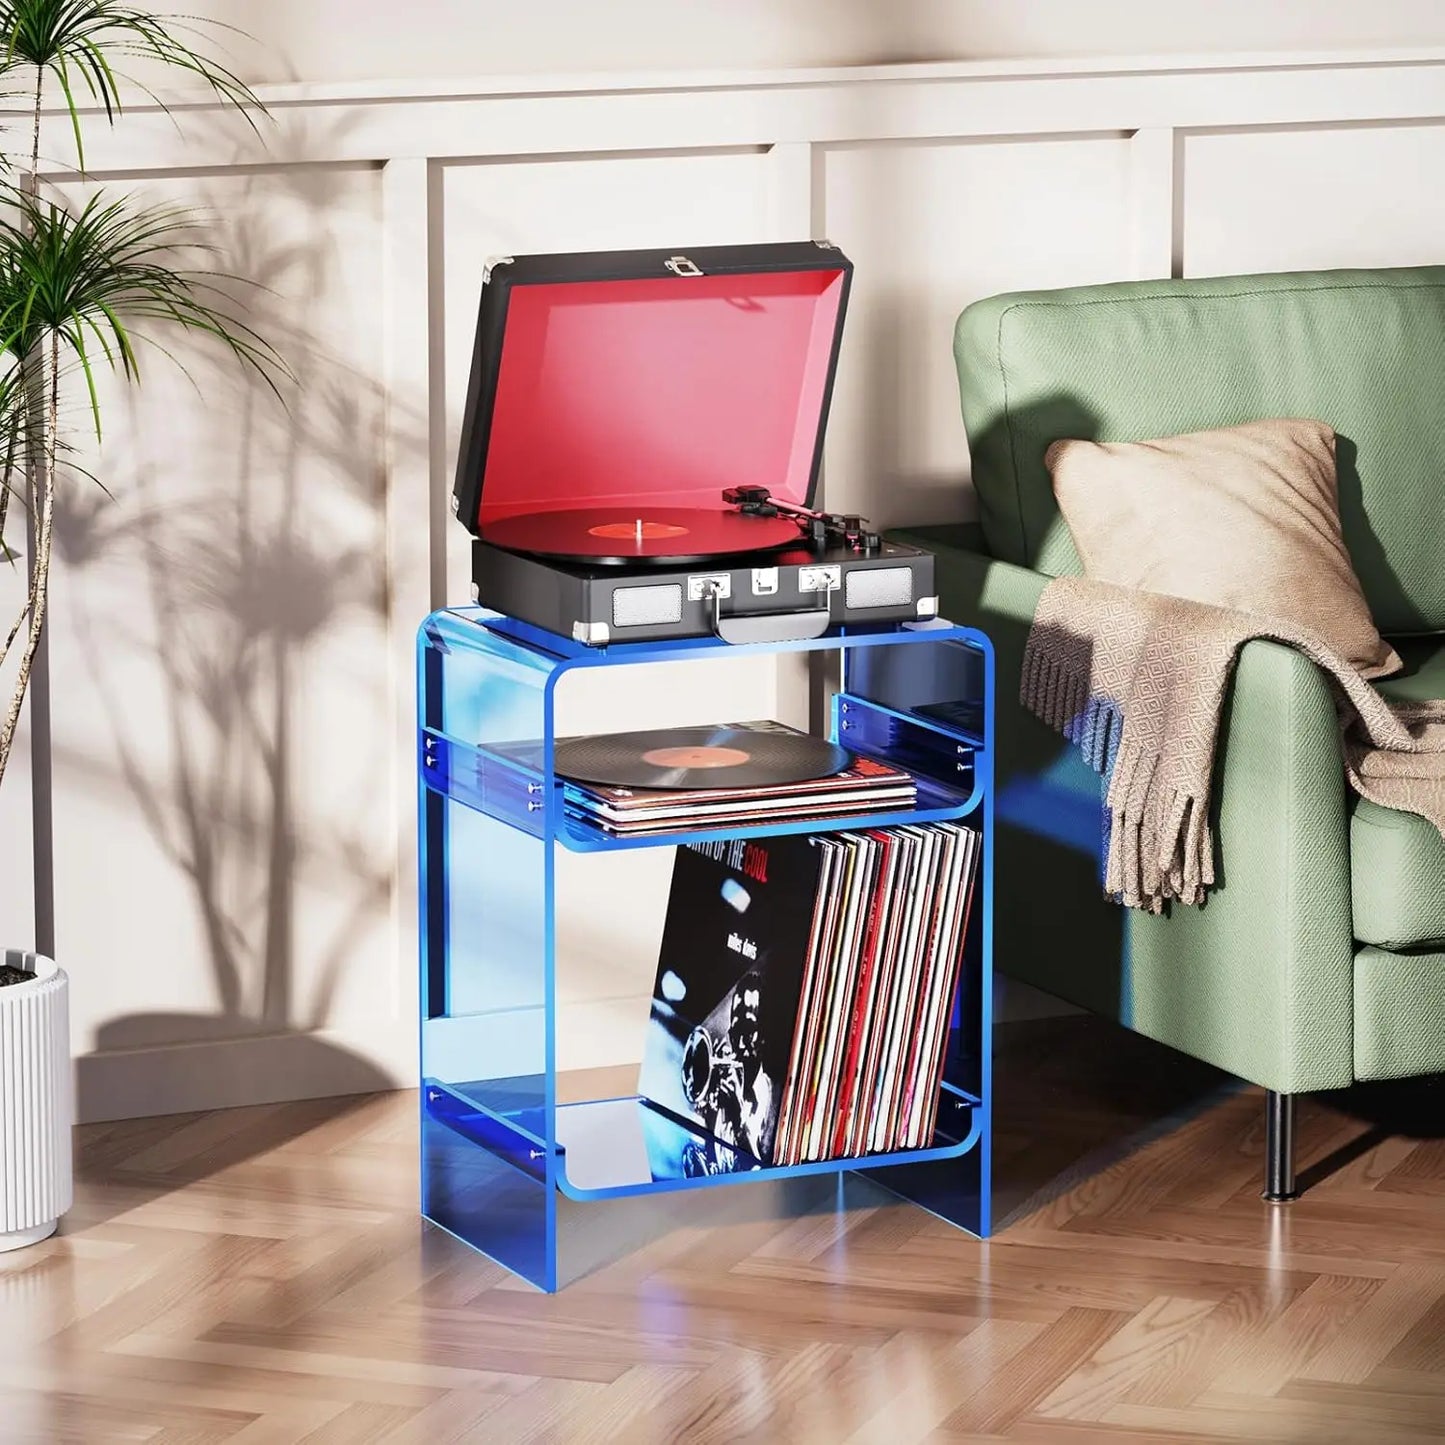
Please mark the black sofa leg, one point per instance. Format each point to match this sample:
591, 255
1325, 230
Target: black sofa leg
1279, 1176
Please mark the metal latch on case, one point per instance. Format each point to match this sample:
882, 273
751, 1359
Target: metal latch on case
718, 584
819, 579
681, 266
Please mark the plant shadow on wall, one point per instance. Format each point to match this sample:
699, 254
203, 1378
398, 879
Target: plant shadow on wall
262, 558
237, 598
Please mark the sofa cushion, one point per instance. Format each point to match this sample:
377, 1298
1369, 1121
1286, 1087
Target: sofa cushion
1242, 516
1397, 860
1361, 350
1399, 1003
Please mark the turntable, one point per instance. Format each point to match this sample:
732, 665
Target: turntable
641, 445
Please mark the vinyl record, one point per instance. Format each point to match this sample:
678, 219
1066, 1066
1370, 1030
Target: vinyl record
615, 536
705, 757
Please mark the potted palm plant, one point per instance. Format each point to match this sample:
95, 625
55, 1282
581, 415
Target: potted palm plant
82, 287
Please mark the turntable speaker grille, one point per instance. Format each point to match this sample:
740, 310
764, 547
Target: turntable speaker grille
879, 587
647, 606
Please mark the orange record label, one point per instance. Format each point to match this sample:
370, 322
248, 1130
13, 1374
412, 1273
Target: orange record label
713, 757
639, 531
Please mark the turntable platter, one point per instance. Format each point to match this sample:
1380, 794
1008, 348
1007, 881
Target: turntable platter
618, 536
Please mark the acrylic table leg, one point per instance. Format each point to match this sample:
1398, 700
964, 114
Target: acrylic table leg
956, 1190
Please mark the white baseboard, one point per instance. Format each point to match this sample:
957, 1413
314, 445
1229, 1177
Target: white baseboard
229, 1073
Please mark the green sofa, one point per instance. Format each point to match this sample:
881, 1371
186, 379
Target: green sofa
1320, 958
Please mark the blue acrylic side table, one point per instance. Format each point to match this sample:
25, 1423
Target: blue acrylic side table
498, 1149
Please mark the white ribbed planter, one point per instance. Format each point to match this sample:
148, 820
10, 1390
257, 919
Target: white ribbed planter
36, 1106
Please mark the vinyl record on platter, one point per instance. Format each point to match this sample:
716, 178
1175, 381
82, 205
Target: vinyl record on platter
615, 536
703, 757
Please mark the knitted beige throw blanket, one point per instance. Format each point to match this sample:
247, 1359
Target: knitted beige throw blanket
1137, 681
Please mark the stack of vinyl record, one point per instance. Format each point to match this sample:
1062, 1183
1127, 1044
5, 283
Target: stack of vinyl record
742, 774
804, 991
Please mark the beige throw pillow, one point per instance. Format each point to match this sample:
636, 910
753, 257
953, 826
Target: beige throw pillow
1245, 517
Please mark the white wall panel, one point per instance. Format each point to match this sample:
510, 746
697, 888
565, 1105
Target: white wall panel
1325, 196
930, 228
222, 738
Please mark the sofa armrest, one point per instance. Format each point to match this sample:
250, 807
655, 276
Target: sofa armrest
1258, 981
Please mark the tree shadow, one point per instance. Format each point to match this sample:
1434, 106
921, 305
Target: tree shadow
255, 562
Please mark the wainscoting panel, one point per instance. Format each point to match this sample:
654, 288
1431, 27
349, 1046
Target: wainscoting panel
932, 226
1317, 196
219, 637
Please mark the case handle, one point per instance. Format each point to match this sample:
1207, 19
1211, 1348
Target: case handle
764, 626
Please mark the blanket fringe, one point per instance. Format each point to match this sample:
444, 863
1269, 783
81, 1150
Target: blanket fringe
1059, 696
1137, 680
1160, 845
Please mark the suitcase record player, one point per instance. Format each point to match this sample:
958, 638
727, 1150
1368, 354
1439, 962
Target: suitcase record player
641, 445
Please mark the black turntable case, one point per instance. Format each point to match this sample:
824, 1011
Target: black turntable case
607, 412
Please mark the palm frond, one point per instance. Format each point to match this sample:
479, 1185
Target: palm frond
98, 276
73, 41
79, 289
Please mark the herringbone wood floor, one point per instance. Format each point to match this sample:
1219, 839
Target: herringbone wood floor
260, 1275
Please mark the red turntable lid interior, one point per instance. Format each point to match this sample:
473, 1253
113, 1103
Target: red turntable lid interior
660, 391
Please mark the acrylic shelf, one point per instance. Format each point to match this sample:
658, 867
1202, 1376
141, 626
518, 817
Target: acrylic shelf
502, 1152
512, 793
614, 1148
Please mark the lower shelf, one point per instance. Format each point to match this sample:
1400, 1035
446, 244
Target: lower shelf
612, 1148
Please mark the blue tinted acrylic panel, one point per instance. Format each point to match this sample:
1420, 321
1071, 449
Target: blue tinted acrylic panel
497, 1147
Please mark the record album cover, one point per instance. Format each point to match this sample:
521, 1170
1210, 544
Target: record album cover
726, 998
